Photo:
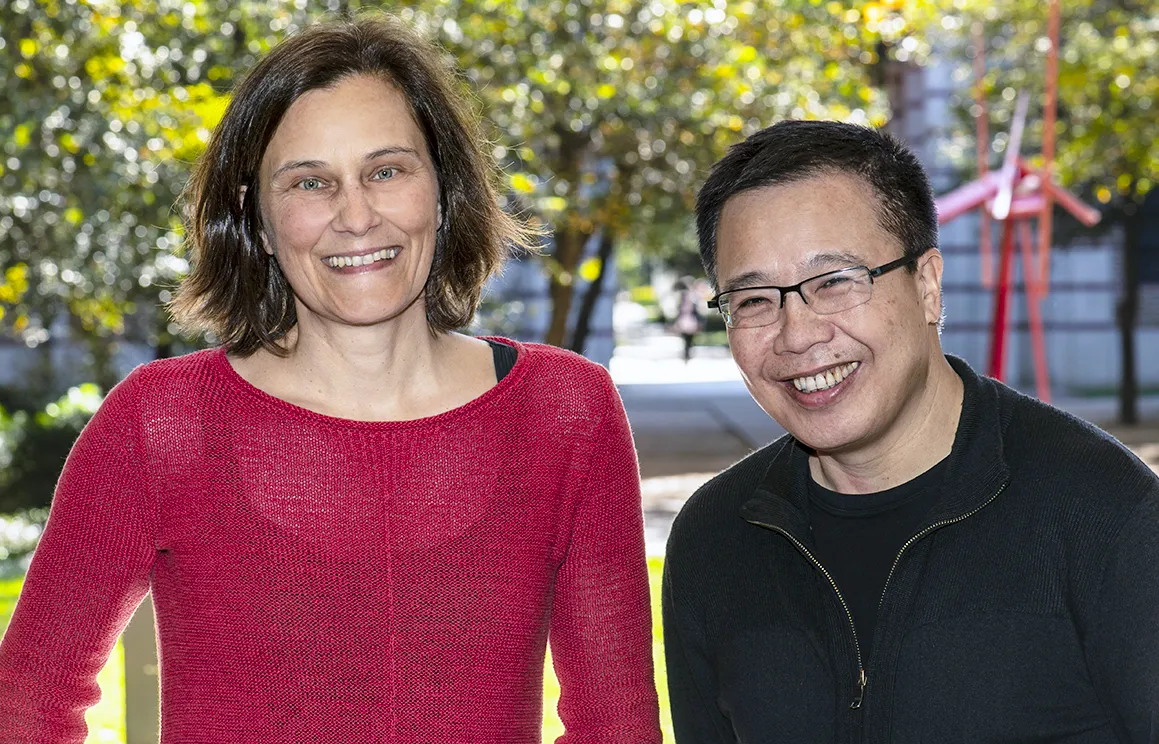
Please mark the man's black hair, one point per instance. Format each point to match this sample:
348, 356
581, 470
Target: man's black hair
793, 151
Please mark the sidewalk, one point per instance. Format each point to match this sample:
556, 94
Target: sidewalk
690, 421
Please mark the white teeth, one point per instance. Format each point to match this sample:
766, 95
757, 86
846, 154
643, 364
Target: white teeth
337, 262
826, 379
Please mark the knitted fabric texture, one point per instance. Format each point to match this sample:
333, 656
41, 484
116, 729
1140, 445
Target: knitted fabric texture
326, 580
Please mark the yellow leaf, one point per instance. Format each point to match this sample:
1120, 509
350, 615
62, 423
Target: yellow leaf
589, 270
607, 90
873, 13
22, 135
1103, 194
521, 183
28, 48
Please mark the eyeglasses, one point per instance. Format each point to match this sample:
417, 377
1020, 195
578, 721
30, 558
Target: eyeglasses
825, 294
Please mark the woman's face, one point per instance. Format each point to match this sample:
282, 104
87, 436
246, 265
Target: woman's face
350, 205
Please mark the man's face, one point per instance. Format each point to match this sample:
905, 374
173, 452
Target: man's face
879, 354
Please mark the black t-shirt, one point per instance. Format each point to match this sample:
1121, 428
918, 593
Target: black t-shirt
856, 537
504, 357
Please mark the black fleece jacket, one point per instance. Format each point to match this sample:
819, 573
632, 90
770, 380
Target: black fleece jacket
1024, 609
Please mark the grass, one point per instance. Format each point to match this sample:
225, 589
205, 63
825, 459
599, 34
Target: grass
106, 720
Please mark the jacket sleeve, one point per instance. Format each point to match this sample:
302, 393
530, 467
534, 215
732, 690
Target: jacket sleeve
696, 717
601, 630
1122, 645
88, 574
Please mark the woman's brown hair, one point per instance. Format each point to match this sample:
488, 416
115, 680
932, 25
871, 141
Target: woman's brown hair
235, 290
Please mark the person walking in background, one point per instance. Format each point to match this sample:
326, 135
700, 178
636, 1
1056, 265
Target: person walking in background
927, 555
357, 525
688, 321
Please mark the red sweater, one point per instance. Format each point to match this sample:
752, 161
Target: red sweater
325, 580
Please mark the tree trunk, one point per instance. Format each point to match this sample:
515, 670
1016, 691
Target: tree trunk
1128, 316
583, 321
569, 245
102, 349
163, 347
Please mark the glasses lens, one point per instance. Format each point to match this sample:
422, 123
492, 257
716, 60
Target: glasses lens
838, 290
749, 308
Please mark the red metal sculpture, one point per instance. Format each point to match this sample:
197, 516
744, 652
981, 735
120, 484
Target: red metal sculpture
1013, 196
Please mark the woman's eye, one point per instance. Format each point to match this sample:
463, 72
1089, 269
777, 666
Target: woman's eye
383, 174
310, 184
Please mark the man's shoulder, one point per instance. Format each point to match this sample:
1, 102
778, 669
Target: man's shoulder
714, 508
1067, 457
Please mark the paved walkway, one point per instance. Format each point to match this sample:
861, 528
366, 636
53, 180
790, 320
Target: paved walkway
690, 421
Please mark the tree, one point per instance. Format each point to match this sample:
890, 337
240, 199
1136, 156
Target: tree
106, 106
606, 113
609, 113
1107, 131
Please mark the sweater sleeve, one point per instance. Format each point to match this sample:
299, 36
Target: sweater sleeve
1122, 645
88, 574
696, 718
601, 634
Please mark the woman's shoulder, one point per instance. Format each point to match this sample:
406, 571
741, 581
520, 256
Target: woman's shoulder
172, 378
561, 364
184, 369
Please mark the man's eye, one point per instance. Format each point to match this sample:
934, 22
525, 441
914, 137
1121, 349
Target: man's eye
310, 184
751, 302
383, 174
833, 282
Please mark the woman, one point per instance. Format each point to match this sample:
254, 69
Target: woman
357, 525
688, 319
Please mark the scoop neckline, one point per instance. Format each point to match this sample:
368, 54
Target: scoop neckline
221, 362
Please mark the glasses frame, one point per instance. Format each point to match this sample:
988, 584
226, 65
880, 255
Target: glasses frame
885, 268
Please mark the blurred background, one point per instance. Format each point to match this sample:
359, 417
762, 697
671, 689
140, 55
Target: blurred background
606, 115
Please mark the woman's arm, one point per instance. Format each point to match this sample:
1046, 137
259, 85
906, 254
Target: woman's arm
601, 630
88, 574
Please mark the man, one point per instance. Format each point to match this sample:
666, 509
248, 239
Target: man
927, 556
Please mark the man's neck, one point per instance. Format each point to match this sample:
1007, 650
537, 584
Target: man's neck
921, 438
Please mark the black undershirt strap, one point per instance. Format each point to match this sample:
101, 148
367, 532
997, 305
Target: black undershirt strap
857, 537
504, 357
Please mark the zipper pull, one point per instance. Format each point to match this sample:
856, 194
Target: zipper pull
856, 704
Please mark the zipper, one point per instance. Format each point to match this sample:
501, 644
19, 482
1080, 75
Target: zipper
862, 680
859, 692
928, 530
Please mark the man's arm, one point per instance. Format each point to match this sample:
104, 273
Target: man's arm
696, 718
1122, 644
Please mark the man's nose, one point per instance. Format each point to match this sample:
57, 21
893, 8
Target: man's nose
801, 328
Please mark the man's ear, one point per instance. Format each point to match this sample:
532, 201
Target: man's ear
241, 201
930, 285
